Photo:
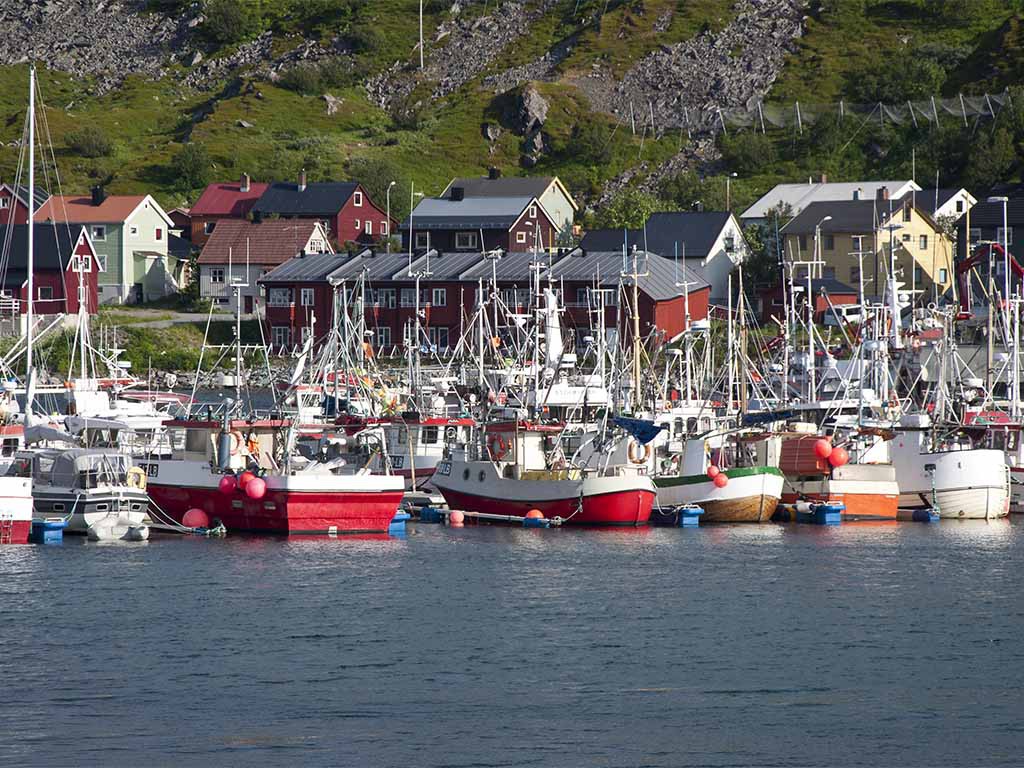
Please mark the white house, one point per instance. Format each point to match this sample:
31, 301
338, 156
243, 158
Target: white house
796, 197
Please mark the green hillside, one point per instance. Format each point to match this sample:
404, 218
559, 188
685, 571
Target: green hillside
855, 50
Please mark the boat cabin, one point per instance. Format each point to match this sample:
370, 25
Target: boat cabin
74, 468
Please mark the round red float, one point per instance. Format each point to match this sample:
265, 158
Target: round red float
713, 471
822, 448
244, 478
227, 484
255, 488
535, 514
721, 480
838, 457
196, 518
456, 518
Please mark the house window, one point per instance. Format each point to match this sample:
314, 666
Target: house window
439, 297
465, 241
101, 259
306, 296
281, 335
918, 275
384, 297
383, 334
279, 297
307, 331
943, 276
1009, 235
730, 244
923, 243
359, 224
422, 239
959, 206
369, 226
803, 242
858, 243
383, 227
45, 292
5, 202
439, 337
975, 235
217, 275
830, 242
408, 297
83, 264
208, 227
533, 211
133, 231
357, 199
159, 233
855, 275
906, 213
520, 237
98, 232
906, 238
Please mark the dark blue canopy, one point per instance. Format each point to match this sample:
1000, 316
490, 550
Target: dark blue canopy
643, 431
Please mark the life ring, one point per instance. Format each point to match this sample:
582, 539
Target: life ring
137, 478
451, 433
636, 457
237, 441
497, 447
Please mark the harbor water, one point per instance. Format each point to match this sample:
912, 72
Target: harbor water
719, 646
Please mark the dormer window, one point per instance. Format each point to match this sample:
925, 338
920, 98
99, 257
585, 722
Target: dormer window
533, 211
357, 199
465, 241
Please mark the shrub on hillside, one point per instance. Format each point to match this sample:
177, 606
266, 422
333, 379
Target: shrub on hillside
229, 21
89, 141
748, 152
592, 140
302, 78
191, 166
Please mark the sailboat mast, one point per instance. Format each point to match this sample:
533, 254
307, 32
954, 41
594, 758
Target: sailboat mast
30, 201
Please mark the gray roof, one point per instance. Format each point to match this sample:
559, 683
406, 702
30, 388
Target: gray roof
503, 186
513, 265
376, 265
848, 217
448, 265
799, 196
312, 267
21, 192
925, 198
668, 233
317, 199
52, 249
990, 215
471, 212
663, 279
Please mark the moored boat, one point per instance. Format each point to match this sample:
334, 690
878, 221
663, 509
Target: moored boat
15, 509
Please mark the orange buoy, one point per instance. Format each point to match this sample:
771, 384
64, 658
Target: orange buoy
456, 518
721, 480
838, 457
822, 448
535, 514
713, 471
196, 518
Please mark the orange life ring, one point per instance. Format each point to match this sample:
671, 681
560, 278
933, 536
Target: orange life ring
497, 447
635, 456
237, 441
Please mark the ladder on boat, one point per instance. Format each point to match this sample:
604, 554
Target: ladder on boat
6, 529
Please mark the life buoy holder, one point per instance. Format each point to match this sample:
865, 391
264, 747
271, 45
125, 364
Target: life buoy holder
237, 441
137, 478
497, 447
635, 455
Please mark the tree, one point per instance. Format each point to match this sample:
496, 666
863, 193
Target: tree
991, 159
375, 174
765, 244
688, 191
191, 166
629, 209
748, 152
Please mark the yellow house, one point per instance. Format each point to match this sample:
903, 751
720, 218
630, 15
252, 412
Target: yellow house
857, 239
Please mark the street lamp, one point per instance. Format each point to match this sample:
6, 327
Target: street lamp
817, 238
387, 195
1006, 246
728, 197
413, 194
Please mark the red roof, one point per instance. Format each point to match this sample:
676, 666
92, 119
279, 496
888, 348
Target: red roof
270, 242
228, 200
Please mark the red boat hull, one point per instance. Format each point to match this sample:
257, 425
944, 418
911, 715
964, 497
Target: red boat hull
632, 507
284, 512
19, 532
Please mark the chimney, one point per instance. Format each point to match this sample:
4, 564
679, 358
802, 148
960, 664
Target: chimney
98, 195
458, 193
883, 193
257, 217
302, 181
824, 178
243, 185
493, 173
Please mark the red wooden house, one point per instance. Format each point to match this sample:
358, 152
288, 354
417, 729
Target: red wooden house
14, 203
223, 200
64, 259
459, 223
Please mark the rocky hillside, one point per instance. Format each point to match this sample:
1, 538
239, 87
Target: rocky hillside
613, 95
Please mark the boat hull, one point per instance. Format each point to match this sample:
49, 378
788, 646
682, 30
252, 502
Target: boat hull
15, 510
868, 492
968, 484
751, 495
83, 508
596, 501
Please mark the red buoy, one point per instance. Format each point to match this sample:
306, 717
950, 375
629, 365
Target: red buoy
244, 478
822, 448
227, 484
713, 471
838, 457
721, 480
255, 488
196, 518
535, 514
456, 518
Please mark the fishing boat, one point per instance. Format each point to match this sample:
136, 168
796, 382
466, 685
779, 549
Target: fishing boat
249, 475
15, 509
519, 466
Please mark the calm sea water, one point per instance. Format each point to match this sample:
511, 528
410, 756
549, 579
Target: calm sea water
723, 646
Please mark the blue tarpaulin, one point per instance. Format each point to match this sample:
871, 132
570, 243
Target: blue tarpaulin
643, 431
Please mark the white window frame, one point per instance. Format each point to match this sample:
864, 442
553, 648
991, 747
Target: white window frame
359, 224
407, 298
307, 331
520, 237
101, 259
279, 297
281, 335
1009, 235
439, 297
959, 206
922, 242
208, 227
943, 276
424, 243
384, 228
84, 264
5, 203
368, 226
305, 293
533, 211
857, 241
386, 298
465, 241
357, 199
39, 293
217, 275
98, 233
435, 336
383, 336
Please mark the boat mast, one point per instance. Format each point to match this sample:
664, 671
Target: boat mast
30, 201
